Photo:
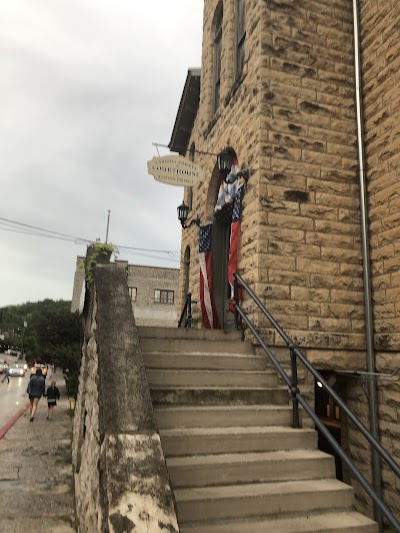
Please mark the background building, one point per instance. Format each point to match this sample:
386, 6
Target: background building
153, 292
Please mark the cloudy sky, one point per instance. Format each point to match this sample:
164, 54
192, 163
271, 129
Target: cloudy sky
86, 87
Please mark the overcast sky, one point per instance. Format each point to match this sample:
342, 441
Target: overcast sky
86, 87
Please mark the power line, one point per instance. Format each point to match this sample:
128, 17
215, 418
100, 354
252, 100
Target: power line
36, 234
43, 230
14, 226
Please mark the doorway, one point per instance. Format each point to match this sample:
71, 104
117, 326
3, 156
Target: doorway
329, 413
222, 291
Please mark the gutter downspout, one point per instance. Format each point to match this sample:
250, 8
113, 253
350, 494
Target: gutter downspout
369, 322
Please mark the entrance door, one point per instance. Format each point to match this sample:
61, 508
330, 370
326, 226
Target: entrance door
220, 249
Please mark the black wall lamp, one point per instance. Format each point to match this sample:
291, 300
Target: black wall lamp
225, 160
183, 211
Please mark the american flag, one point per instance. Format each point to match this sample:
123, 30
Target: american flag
208, 310
234, 241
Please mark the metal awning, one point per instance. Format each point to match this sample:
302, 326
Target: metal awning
187, 112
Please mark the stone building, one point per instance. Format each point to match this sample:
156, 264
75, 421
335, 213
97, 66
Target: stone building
307, 95
153, 291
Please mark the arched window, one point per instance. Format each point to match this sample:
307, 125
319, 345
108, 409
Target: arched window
217, 27
240, 23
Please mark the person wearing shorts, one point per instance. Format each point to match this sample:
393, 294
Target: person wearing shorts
53, 394
36, 389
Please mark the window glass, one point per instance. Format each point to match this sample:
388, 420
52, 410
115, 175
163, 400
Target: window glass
163, 296
240, 35
217, 56
133, 293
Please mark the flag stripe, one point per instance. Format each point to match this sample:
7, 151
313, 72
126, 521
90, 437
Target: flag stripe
234, 241
206, 296
208, 310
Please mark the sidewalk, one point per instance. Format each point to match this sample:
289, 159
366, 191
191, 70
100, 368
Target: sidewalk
36, 481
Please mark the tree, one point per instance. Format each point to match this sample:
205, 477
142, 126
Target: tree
53, 335
60, 338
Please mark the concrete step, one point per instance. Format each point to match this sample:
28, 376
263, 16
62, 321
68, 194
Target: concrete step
261, 499
189, 334
210, 378
198, 441
228, 469
186, 346
180, 395
337, 522
209, 361
222, 416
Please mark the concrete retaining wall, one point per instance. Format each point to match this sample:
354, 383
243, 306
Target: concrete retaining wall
121, 480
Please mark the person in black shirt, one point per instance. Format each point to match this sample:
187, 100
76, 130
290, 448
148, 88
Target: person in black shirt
53, 394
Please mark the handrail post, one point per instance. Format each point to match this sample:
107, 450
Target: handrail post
189, 310
236, 300
294, 388
186, 312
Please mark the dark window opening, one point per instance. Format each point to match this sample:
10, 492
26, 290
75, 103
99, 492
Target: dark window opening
330, 415
240, 36
217, 56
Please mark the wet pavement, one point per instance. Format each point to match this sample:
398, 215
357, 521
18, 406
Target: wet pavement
36, 480
11, 396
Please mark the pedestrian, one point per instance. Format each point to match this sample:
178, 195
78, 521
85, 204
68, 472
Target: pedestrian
7, 375
36, 388
53, 394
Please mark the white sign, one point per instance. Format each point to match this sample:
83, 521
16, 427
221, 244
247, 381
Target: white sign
175, 170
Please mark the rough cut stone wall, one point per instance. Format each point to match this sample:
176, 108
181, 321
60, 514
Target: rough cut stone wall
291, 120
236, 123
380, 32
121, 480
380, 23
309, 252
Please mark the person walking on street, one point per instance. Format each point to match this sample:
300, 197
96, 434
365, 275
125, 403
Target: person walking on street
53, 394
7, 375
36, 389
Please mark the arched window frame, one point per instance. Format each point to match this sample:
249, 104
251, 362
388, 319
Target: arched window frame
240, 36
217, 46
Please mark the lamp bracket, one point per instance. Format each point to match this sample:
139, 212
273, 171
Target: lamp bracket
194, 221
243, 174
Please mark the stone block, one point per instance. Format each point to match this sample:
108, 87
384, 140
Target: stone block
137, 484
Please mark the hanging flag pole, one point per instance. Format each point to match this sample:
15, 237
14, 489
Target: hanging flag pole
108, 225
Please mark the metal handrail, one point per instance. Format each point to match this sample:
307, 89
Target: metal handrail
297, 399
186, 312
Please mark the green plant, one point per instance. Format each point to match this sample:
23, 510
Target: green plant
97, 252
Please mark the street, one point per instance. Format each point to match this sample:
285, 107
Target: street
36, 479
12, 396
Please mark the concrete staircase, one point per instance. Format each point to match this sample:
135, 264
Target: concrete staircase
235, 463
